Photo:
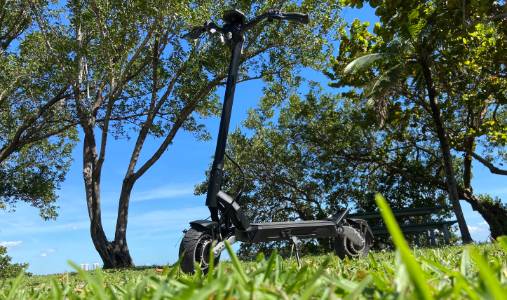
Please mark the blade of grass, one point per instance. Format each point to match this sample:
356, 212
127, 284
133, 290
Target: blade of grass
466, 263
94, 283
487, 275
356, 293
235, 263
15, 286
56, 289
211, 264
269, 267
414, 270
502, 241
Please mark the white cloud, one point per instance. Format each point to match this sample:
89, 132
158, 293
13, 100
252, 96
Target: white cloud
10, 244
50, 227
481, 227
163, 192
479, 231
47, 252
475, 229
169, 217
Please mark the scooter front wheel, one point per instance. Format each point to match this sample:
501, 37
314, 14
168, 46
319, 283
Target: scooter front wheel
195, 249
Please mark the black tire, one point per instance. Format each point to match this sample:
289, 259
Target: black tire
345, 248
195, 248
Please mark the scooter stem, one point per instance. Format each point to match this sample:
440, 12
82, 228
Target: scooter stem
217, 169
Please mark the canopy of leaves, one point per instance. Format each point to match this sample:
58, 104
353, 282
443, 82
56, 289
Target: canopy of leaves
36, 135
465, 45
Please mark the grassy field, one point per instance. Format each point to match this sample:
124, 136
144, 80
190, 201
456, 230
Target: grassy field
474, 272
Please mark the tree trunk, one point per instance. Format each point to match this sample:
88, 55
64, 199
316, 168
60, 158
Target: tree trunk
467, 163
445, 148
120, 236
114, 254
494, 213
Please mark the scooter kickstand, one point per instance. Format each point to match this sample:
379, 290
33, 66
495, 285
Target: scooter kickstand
297, 244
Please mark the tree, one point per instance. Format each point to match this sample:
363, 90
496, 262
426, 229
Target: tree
36, 135
318, 154
8, 269
133, 75
419, 57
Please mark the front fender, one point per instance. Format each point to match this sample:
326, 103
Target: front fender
205, 225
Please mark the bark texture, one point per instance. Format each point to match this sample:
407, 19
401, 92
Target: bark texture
452, 186
493, 212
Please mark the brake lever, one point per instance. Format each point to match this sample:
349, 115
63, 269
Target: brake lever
196, 32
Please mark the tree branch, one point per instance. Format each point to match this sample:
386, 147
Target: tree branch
182, 116
17, 141
492, 168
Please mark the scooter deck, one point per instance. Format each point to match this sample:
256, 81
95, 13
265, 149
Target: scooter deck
276, 231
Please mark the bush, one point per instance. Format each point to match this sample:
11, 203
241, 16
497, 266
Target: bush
8, 269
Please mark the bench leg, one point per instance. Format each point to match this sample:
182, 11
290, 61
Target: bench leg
432, 237
296, 243
447, 235
417, 241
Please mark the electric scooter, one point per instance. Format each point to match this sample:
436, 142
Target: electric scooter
352, 237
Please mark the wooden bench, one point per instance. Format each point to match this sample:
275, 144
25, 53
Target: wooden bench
408, 226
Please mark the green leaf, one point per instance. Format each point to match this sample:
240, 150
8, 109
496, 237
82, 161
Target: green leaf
235, 263
466, 262
415, 272
362, 62
487, 274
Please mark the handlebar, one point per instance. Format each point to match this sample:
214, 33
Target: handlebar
297, 17
196, 32
278, 15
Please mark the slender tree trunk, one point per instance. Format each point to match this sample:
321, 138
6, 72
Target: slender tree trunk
467, 163
120, 236
445, 148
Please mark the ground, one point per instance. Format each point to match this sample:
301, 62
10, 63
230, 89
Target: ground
457, 272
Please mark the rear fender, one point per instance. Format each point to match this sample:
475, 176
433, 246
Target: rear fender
360, 223
339, 216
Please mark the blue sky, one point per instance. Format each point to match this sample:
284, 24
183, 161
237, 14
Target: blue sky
162, 203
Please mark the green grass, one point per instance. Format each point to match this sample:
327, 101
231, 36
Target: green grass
449, 272
474, 272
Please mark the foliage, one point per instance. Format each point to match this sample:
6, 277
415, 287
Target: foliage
8, 269
466, 61
36, 135
474, 272
436, 71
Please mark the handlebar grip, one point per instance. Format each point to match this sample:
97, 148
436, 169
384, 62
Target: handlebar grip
298, 17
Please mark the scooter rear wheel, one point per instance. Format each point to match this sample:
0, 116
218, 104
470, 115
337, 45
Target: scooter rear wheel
344, 247
195, 248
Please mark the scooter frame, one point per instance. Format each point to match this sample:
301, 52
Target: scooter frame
353, 237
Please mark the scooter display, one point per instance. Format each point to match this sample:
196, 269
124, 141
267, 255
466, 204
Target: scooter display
352, 237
